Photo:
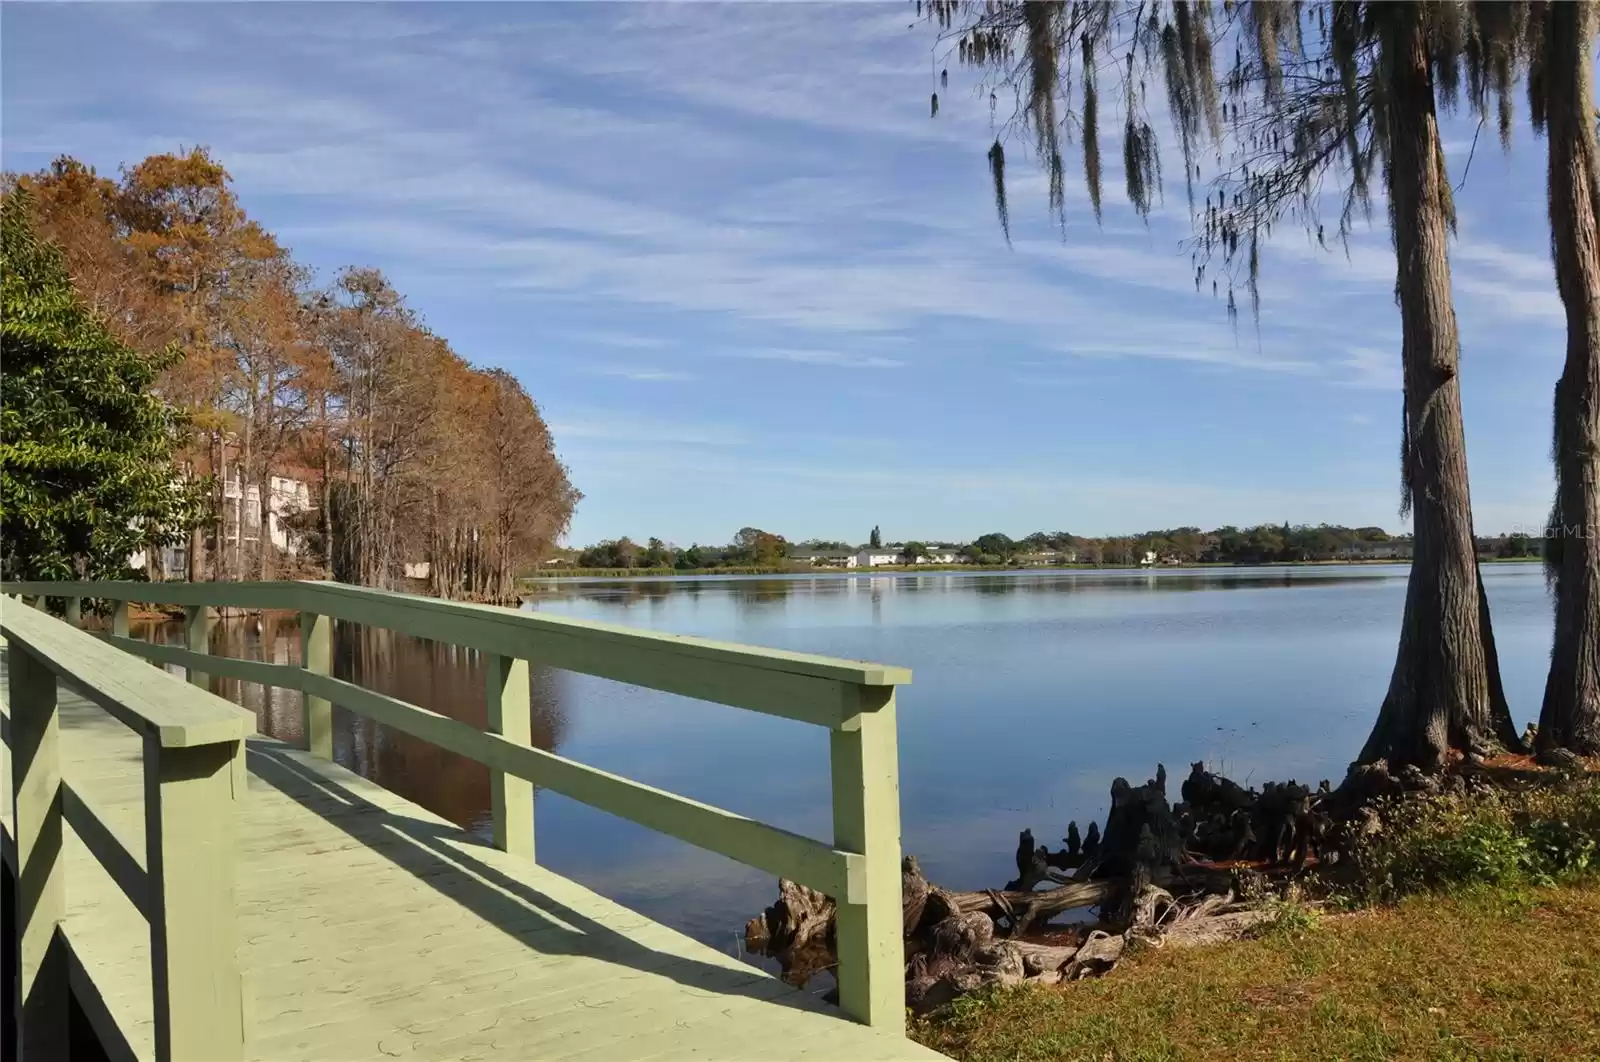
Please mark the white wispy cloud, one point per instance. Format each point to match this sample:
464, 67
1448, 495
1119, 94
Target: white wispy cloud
767, 253
1110, 501
1244, 355
1499, 283
647, 375
628, 426
1509, 300
632, 192
1533, 270
1371, 368
626, 340
835, 359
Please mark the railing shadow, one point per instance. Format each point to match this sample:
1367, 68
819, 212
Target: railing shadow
436, 863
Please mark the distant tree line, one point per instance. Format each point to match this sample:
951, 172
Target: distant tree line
1263, 544
750, 548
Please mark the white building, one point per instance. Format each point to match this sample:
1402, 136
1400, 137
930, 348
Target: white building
174, 559
872, 557
875, 557
241, 521
241, 510
824, 558
1394, 549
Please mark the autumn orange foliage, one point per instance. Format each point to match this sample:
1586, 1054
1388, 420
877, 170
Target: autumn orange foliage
412, 453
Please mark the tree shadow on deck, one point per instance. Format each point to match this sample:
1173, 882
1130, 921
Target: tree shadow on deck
435, 857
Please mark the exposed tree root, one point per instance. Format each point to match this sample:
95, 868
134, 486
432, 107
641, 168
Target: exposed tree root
1160, 875
1147, 875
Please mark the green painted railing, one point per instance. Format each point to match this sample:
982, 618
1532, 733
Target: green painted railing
860, 869
183, 884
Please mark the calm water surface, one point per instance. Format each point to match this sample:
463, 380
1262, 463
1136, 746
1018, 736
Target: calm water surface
1032, 691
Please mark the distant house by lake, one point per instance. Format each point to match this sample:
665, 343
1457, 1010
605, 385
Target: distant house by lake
872, 557
238, 532
824, 558
1393, 549
1048, 558
877, 557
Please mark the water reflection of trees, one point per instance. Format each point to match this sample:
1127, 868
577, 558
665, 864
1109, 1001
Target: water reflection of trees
435, 675
759, 593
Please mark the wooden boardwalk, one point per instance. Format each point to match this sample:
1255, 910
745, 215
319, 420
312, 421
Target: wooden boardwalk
372, 929
224, 895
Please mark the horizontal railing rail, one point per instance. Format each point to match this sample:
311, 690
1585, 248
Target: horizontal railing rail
745, 840
854, 700
193, 745
172, 716
793, 685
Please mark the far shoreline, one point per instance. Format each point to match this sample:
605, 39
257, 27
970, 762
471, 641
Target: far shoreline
624, 575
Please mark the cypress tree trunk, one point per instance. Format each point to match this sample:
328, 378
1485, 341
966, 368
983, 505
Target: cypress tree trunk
1570, 717
246, 466
327, 495
219, 555
154, 567
264, 537
197, 546
195, 567
1440, 694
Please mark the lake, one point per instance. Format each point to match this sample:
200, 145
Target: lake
1032, 691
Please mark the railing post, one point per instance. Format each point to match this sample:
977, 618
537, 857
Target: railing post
510, 716
191, 862
316, 656
42, 994
74, 614
866, 819
195, 640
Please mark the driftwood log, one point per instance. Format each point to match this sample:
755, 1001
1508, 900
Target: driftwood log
1149, 876
1160, 874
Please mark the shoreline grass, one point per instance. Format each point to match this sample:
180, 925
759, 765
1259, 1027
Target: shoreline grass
1477, 974
1489, 950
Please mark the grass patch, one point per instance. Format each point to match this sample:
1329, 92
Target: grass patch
1486, 946
1478, 974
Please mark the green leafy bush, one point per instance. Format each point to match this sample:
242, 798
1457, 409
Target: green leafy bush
1486, 836
1563, 828
1291, 917
87, 477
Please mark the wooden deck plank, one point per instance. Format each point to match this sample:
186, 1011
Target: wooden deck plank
437, 1011
371, 928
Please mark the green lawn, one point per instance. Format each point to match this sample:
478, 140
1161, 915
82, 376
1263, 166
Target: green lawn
1480, 975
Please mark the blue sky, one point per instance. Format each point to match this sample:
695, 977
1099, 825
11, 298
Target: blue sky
749, 281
